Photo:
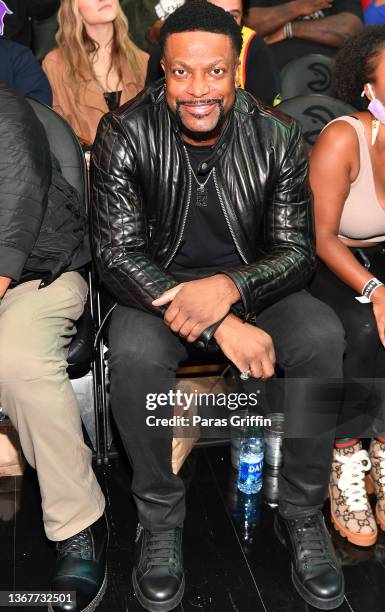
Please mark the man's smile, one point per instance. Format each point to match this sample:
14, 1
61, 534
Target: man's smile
200, 110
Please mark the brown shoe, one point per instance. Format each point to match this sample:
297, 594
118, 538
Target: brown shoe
351, 513
375, 482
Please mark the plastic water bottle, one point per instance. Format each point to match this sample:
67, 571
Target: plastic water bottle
245, 510
251, 463
249, 518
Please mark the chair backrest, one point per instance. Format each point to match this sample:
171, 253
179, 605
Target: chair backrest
65, 146
310, 74
43, 36
314, 112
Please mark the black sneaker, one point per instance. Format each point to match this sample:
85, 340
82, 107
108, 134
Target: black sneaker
158, 576
316, 570
81, 567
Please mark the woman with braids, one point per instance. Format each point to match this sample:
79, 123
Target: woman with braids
96, 67
347, 177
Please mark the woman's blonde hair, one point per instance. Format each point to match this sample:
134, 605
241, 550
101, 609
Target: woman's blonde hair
78, 48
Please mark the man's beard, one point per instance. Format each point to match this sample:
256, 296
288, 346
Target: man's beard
199, 136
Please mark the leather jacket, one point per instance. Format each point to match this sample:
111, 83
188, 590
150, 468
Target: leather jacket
141, 196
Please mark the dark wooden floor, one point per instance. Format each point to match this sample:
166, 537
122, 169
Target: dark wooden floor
223, 572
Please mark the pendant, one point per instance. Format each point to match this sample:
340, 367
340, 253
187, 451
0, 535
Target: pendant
201, 198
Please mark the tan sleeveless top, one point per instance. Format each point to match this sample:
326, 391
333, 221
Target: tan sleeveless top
363, 218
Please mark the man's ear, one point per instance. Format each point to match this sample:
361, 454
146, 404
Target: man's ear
163, 65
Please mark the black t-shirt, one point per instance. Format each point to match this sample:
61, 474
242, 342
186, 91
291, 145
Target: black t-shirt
286, 50
207, 246
112, 99
262, 77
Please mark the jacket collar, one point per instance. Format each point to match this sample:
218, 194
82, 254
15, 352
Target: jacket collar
93, 96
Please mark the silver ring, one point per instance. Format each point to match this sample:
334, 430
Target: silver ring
245, 375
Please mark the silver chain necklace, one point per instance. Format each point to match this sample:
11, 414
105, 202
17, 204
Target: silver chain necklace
201, 198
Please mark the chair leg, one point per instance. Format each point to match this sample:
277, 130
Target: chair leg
96, 317
104, 404
97, 409
100, 375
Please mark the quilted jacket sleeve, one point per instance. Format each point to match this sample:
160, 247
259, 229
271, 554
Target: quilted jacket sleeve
288, 247
25, 176
119, 221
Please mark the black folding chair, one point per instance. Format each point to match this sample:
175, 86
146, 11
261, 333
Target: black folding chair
43, 36
311, 74
314, 112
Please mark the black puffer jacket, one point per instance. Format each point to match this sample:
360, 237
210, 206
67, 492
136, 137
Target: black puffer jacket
141, 195
42, 219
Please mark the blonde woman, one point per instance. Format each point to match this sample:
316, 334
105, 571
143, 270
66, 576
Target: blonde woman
95, 67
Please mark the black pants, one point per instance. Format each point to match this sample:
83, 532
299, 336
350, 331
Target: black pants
309, 345
363, 409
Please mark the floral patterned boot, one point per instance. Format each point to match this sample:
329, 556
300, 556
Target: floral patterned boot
351, 513
376, 480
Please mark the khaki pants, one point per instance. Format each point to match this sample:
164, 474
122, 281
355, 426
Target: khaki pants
36, 328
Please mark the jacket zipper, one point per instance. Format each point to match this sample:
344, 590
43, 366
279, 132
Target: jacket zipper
227, 219
247, 316
170, 258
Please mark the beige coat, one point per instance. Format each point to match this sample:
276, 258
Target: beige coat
84, 116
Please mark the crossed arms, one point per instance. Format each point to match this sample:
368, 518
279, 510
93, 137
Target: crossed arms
332, 30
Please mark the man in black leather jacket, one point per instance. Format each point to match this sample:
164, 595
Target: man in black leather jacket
203, 232
43, 227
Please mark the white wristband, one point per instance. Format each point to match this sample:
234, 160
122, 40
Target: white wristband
373, 290
370, 286
165, 7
